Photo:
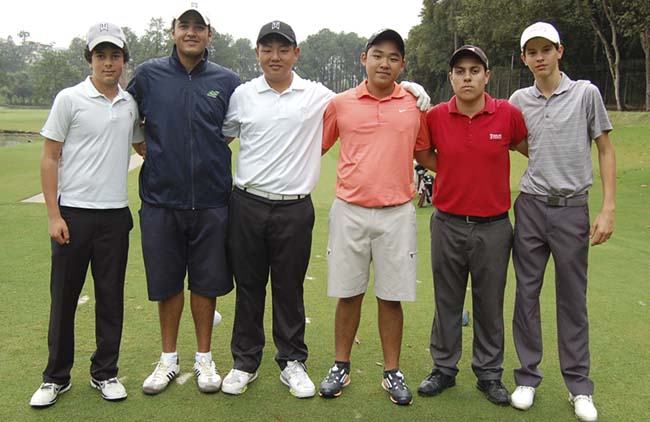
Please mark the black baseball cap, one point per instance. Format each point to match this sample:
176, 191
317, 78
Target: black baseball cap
280, 28
469, 50
386, 34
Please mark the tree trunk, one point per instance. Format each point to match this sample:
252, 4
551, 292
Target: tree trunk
612, 51
645, 45
616, 73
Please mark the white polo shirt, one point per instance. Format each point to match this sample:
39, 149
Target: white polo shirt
97, 134
280, 134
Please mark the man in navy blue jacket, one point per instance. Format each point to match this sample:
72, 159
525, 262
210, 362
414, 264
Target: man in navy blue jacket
185, 184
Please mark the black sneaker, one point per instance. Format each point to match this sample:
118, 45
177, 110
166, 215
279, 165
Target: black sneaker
435, 383
337, 378
395, 384
495, 391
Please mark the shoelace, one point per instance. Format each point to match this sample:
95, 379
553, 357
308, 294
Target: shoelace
296, 371
432, 375
238, 376
397, 381
109, 383
207, 368
583, 397
335, 374
161, 373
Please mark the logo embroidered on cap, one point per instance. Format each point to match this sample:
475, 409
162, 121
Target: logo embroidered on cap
495, 136
103, 27
275, 25
213, 94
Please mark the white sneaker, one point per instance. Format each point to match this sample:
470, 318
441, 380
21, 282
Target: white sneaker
160, 377
111, 389
584, 407
522, 398
207, 376
295, 377
47, 394
236, 382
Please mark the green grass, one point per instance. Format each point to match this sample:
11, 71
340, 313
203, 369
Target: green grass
22, 120
619, 308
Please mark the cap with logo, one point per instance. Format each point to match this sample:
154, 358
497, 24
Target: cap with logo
469, 50
539, 30
277, 27
386, 34
105, 32
194, 7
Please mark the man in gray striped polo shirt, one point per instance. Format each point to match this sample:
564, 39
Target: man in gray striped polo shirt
552, 216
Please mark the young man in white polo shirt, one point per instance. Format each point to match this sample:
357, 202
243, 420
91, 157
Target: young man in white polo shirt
552, 215
84, 168
278, 118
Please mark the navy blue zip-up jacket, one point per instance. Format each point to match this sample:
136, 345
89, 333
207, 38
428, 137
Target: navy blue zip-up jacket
188, 159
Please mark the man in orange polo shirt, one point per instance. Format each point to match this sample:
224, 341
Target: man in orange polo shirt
372, 218
470, 230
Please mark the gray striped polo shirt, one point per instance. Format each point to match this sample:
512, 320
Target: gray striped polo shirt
560, 131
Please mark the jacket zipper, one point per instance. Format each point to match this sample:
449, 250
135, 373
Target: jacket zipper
189, 116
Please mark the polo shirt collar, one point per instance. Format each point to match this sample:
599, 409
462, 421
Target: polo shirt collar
297, 84
362, 91
489, 107
565, 84
92, 92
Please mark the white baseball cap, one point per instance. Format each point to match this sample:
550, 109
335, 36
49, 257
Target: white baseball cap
105, 32
540, 30
194, 7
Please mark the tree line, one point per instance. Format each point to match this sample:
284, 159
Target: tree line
606, 41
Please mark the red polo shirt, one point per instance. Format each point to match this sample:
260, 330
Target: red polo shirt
473, 176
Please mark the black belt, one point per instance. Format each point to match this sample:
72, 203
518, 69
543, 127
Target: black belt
470, 219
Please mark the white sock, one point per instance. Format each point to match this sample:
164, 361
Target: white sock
169, 358
207, 356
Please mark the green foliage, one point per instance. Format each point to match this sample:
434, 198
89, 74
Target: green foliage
496, 26
332, 59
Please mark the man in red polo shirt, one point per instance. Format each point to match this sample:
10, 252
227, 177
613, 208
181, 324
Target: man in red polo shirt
471, 234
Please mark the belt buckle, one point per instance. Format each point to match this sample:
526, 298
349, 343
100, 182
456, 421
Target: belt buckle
468, 221
553, 201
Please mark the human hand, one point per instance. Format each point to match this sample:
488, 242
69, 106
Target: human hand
602, 228
423, 100
58, 230
141, 149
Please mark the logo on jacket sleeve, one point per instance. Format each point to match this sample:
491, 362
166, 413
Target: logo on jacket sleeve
213, 94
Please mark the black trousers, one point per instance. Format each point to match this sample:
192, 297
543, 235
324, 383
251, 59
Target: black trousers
99, 238
269, 236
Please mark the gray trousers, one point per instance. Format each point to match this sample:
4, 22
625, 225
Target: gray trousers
459, 249
541, 230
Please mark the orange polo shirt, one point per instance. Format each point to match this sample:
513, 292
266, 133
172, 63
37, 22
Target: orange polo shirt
378, 138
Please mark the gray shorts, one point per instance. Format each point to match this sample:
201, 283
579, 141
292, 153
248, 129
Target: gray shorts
384, 236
